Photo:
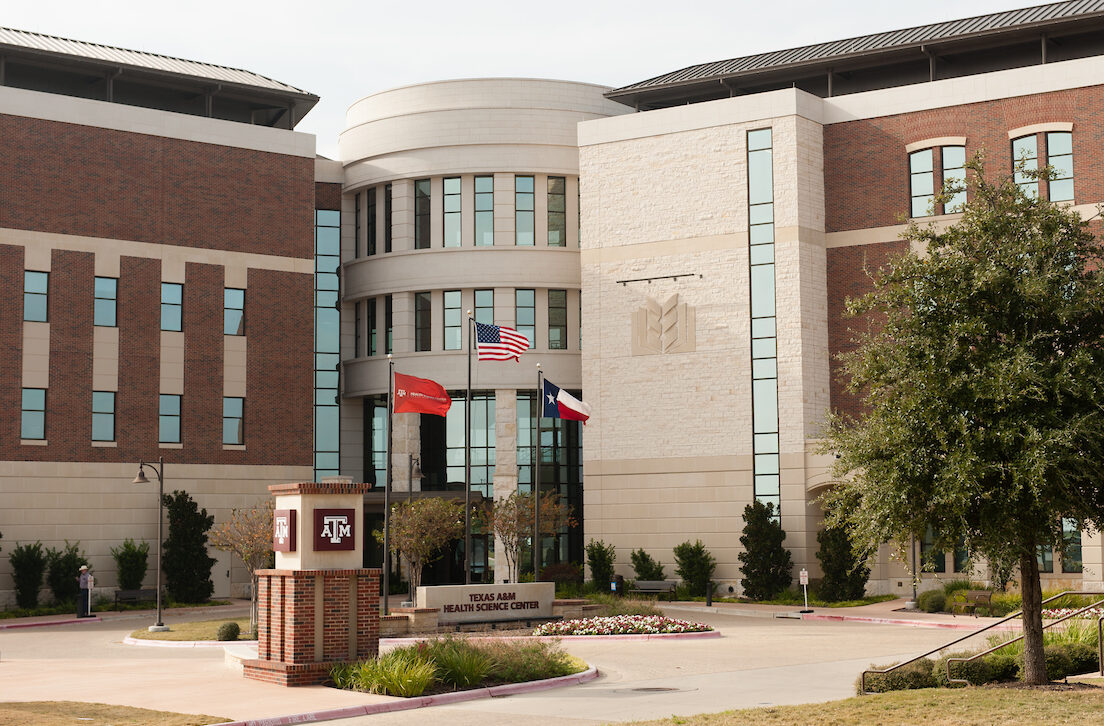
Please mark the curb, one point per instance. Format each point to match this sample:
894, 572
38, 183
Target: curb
71, 621
185, 643
408, 704
641, 636
901, 621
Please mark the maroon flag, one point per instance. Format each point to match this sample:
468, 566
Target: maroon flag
420, 395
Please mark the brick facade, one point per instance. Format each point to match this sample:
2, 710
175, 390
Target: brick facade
327, 195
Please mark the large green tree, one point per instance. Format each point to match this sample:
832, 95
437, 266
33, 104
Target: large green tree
983, 371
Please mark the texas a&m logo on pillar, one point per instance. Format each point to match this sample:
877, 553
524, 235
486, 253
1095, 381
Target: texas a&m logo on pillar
334, 530
283, 530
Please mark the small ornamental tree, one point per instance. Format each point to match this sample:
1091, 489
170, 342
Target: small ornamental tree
248, 534
984, 387
28, 563
511, 520
845, 572
695, 565
131, 563
645, 567
600, 559
766, 564
420, 529
62, 570
187, 565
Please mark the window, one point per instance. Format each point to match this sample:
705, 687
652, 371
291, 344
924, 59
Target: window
1060, 158
327, 342
523, 211
168, 419
482, 441
557, 211
421, 214
389, 332
103, 415
484, 211
371, 304
423, 314
1025, 158
371, 221
484, 306
931, 559
232, 420
172, 304
1045, 557
356, 225
557, 319
921, 183
525, 314
452, 211
103, 305
357, 322
386, 217
1071, 557
454, 320
233, 312
35, 285
33, 422
954, 172
375, 437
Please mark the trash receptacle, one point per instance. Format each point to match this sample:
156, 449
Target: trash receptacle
617, 585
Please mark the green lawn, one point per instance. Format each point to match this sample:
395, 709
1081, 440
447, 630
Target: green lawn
196, 630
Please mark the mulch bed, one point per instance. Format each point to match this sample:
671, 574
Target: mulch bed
1053, 686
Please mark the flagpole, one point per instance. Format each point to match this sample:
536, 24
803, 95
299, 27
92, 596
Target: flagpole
467, 457
387, 490
536, 475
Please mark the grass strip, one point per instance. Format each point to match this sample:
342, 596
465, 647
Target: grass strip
66, 713
195, 630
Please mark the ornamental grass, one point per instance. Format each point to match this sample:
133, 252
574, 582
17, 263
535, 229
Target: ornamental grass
622, 625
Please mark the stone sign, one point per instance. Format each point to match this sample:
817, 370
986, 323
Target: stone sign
482, 603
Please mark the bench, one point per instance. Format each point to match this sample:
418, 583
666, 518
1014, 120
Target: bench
659, 588
134, 596
970, 600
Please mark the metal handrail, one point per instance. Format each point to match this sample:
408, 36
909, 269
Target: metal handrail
862, 679
1099, 641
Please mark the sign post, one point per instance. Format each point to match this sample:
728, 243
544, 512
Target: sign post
804, 577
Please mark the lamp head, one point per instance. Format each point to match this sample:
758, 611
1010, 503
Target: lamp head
141, 477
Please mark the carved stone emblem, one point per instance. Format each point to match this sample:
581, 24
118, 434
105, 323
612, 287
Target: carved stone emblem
663, 328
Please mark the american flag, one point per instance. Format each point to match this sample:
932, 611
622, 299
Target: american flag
497, 342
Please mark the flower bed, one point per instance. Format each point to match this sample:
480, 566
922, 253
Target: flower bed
1055, 613
622, 625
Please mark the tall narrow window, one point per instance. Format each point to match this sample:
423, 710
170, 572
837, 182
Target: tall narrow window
371, 221
103, 415
557, 211
484, 306
954, 172
357, 322
932, 559
454, 320
1025, 158
423, 325
33, 420
232, 417
375, 439
523, 211
168, 419
484, 211
386, 217
1060, 158
1071, 557
451, 186
921, 183
356, 226
327, 343
233, 312
525, 314
172, 305
421, 214
35, 286
1045, 557
557, 319
388, 326
104, 304
372, 327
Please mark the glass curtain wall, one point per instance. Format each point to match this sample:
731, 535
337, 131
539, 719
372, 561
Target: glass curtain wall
327, 334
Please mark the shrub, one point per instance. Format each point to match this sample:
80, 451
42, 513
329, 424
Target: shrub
952, 586
400, 672
28, 562
1006, 666
1059, 664
517, 662
562, 573
1003, 603
695, 566
766, 563
62, 569
600, 558
228, 631
645, 567
845, 573
187, 565
459, 663
917, 674
1083, 658
131, 562
613, 605
932, 601
977, 672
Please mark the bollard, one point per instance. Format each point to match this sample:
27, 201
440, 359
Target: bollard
709, 594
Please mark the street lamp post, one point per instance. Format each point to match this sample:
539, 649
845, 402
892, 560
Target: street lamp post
159, 470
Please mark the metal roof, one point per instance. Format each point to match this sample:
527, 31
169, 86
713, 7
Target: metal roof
139, 59
981, 25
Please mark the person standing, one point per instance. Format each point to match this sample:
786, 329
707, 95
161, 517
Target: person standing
84, 600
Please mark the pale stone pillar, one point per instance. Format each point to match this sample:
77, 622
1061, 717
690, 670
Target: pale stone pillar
402, 215
505, 475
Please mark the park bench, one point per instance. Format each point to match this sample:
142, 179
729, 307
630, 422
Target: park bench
134, 596
659, 588
970, 600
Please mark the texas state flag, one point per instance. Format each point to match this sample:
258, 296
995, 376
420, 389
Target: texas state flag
558, 403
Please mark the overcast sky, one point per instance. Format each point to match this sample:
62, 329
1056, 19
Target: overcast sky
342, 50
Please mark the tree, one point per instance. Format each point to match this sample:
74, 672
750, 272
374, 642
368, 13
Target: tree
131, 562
420, 529
695, 565
512, 522
600, 559
248, 534
645, 567
62, 570
187, 565
766, 564
845, 571
28, 563
984, 381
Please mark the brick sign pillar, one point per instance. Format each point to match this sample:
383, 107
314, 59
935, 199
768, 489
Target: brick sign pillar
319, 607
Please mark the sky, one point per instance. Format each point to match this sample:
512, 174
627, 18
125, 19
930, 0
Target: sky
342, 50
